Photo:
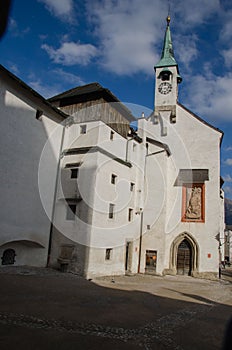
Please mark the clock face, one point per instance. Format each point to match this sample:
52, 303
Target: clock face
165, 88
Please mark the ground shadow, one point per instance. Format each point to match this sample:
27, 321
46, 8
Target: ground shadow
64, 311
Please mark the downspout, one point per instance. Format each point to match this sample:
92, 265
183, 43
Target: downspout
54, 197
140, 240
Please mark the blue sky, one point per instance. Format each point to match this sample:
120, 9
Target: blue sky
55, 45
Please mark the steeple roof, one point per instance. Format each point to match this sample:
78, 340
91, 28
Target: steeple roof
167, 57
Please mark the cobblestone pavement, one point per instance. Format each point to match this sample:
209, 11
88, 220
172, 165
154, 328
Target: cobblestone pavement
45, 309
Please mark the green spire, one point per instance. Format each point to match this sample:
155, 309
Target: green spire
167, 57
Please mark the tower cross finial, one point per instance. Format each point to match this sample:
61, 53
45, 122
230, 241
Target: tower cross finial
169, 9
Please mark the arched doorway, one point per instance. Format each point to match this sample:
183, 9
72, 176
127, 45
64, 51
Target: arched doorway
184, 255
184, 258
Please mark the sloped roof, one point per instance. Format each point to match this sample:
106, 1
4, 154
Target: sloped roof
167, 58
80, 90
88, 92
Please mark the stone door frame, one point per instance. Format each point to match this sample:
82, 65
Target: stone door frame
174, 250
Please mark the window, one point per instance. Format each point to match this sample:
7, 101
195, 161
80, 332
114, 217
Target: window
134, 146
130, 214
111, 211
108, 253
113, 179
74, 173
132, 186
83, 129
111, 135
71, 211
193, 202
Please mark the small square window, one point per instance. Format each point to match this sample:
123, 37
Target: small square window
71, 212
132, 186
113, 179
111, 135
134, 146
130, 214
111, 211
108, 253
74, 173
83, 129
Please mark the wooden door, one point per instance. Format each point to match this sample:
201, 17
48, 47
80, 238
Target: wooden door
184, 258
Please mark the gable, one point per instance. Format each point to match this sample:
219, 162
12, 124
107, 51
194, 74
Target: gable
201, 120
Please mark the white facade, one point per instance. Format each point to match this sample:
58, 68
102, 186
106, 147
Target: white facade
24, 225
91, 198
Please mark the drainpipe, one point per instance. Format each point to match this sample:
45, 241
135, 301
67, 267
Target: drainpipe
54, 197
140, 240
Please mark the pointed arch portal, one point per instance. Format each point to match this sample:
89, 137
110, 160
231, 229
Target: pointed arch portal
184, 258
184, 255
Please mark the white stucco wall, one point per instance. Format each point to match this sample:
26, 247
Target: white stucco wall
22, 216
193, 145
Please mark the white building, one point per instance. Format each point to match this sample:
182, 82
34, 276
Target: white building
116, 200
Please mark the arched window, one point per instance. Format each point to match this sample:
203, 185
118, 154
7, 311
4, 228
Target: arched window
8, 257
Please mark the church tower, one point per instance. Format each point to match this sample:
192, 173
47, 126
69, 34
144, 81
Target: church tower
167, 80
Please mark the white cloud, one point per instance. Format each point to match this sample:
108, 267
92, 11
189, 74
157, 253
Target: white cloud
62, 79
186, 56
226, 34
227, 190
228, 148
44, 90
228, 161
16, 31
68, 77
14, 68
59, 8
71, 53
227, 54
194, 12
227, 178
211, 95
128, 32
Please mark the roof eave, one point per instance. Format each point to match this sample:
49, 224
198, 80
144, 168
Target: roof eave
35, 97
91, 89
